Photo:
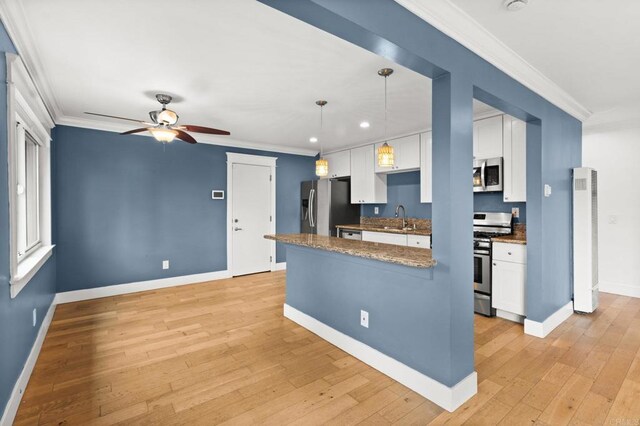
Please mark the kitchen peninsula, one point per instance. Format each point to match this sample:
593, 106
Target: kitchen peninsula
378, 302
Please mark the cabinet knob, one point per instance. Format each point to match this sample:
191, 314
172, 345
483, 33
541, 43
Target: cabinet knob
509, 253
494, 264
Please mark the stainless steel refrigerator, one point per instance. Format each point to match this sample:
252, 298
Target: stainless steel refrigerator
326, 203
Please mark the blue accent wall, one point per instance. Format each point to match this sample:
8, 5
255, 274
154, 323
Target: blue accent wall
553, 148
404, 188
125, 203
17, 334
494, 202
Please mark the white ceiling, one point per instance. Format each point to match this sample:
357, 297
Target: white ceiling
236, 65
590, 48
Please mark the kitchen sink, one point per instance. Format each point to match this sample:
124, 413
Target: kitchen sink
397, 228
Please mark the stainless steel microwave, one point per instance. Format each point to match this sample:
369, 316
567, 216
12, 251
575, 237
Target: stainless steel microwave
487, 175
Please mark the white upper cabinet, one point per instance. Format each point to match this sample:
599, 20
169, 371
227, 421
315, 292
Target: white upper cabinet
339, 164
515, 160
366, 185
487, 138
406, 155
426, 170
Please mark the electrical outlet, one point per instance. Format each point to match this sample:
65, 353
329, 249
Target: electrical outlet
165, 264
364, 319
515, 211
35, 317
376, 210
547, 190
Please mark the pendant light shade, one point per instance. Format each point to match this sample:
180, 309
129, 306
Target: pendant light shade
322, 167
385, 155
385, 151
322, 164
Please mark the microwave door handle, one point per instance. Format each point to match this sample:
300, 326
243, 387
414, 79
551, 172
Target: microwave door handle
482, 168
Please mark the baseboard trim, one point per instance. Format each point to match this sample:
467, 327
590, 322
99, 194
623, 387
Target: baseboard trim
11, 409
620, 289
280, 266
135, 287
449, 398
542, 329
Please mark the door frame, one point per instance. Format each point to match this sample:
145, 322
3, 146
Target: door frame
253, 160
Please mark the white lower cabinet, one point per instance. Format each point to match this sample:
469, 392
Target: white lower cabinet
385, 237
420, 241
509, 278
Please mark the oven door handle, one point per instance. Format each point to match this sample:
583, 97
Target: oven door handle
482, 180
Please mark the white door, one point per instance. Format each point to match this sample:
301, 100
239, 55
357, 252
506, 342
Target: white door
251, 221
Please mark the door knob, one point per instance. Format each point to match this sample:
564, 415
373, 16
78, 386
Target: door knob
237, 229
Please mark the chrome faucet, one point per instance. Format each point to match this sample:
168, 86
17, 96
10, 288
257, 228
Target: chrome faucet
404, 214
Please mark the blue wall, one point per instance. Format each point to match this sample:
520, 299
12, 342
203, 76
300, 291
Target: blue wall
16, 331
404, 188
553, 148
494, 203
125, 203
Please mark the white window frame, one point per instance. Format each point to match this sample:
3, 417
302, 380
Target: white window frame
27, 112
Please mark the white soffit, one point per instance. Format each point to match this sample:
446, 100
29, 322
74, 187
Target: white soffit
457, 24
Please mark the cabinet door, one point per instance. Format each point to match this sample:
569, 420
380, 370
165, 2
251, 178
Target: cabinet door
509, 281
487, 138
339, 164
426, 172
515, 160
406, 154
420, 241
359, 159
385, 237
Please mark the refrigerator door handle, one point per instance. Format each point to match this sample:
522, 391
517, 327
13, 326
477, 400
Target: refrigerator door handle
312, 196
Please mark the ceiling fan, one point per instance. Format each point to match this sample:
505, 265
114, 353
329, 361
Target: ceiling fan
164, 124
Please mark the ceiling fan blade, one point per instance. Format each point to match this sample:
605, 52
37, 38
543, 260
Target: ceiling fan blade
185, 136
201, 129
116, 117
144, 129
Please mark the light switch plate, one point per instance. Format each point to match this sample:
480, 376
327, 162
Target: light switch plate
376, 210
165, 264
547, 190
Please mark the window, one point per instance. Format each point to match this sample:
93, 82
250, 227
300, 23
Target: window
29, 134
27, 191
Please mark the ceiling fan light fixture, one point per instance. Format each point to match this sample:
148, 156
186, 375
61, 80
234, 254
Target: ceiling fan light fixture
163, 134
166, 116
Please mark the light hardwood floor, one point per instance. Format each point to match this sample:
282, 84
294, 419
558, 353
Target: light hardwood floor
221, 352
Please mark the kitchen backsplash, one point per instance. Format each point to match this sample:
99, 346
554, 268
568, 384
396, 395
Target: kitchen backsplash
404, 188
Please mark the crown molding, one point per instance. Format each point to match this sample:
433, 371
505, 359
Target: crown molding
620, 118
457, 24
17, 26
88, 123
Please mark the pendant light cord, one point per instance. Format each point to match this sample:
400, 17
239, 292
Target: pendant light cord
385, 108
321, 136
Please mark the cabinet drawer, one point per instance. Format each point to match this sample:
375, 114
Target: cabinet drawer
510, 252
422, 241
384, 237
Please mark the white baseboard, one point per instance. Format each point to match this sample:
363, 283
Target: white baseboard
117, 289
620, 289
542, 329
447, 397
280, 266
21, 384
509, 316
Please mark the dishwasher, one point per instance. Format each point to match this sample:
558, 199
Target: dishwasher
350, 235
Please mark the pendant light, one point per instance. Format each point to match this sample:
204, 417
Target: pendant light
385, 152
322, 165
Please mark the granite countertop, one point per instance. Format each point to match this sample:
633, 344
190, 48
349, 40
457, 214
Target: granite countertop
401, 255
374, 228
519, 236
391, 224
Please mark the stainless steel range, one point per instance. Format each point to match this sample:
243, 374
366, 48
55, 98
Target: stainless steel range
485, 226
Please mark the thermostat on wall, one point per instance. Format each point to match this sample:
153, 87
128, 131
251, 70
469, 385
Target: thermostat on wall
217, 194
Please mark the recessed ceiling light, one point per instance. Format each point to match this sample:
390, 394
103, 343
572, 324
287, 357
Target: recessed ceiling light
365, 124
515, 5
313, 139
